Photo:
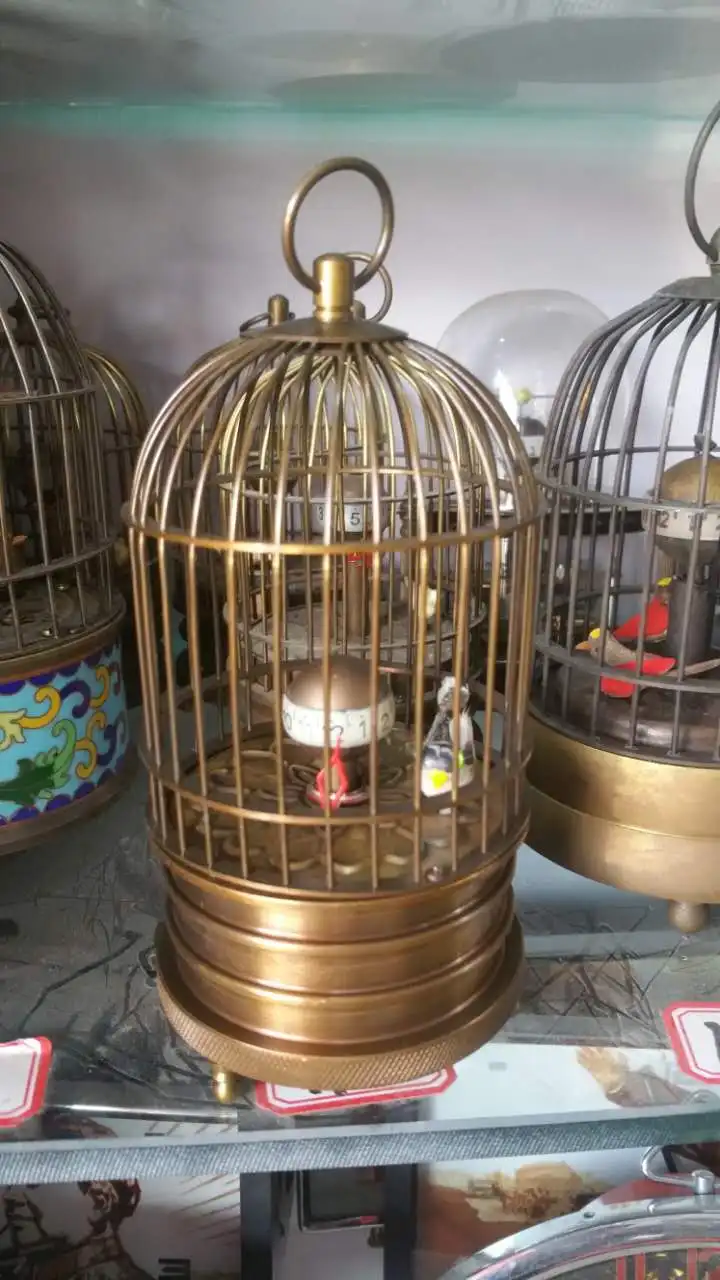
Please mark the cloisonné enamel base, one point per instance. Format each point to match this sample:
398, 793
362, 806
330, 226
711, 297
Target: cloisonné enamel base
64, 744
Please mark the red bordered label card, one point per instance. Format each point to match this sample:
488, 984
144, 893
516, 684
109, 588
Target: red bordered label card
24, 1070
694, 1030
284, 1101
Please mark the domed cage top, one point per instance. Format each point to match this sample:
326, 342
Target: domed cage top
278, 312
335, 795
55, 573
628, 644
118, 406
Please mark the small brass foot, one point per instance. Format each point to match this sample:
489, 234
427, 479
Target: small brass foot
224, 1083
688, 917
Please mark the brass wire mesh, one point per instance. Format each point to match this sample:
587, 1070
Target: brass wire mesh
55, 534
123, 424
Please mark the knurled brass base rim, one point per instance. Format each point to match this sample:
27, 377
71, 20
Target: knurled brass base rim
277, 1062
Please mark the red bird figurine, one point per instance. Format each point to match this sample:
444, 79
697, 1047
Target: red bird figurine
617, 655
656, 618
343, 786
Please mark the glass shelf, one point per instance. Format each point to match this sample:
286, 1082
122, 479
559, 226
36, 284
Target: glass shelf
584, 1063
654, 57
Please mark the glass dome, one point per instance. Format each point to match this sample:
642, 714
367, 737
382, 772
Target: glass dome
519, 344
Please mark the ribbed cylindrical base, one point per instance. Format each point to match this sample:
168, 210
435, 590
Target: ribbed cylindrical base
320, 991
368, 1064
640, 824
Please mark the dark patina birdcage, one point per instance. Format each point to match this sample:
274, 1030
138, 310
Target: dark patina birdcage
625, 777
120, 411
63, 722
339, 857
122, 423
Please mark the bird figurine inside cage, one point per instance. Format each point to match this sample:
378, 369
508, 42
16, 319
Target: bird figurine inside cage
339, 851
626, 769
64, 747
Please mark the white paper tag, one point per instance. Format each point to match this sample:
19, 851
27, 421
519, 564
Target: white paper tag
284, 1101
24, 1069
694, 1030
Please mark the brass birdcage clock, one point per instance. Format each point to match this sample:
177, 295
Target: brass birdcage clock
625, 778
339, 851
64, 748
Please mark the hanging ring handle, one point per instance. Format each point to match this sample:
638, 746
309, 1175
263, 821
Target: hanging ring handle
278, 310
350, 164
710, 248
263, 317
387, 284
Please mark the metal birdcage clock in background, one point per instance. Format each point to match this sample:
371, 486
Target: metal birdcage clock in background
64, 746
339, 852
625, 773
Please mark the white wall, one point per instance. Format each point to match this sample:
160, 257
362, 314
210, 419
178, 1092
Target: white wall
161, 247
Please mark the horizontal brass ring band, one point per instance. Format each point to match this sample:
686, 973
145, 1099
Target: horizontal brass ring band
338, 1019
630, 791
672, 867
324, 1066
347, 966
53, 654
294, 914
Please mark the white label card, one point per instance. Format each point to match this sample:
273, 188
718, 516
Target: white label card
694, 1030
24, 1069
283, 1100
